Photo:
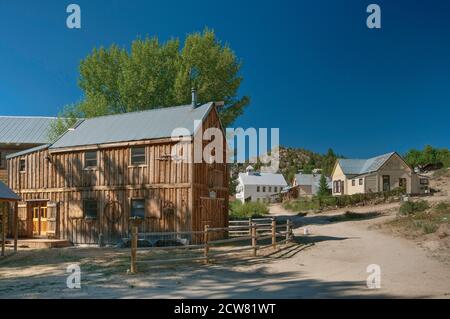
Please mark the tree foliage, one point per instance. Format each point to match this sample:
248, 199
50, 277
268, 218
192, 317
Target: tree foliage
323, 186
153, 74
428, 156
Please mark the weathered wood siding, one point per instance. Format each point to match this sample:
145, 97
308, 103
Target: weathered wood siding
174, 191
62, 178
210, 177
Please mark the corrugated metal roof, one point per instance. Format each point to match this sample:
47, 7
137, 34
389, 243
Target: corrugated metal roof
135, 126
363, 166
28, 151
310, 179
6, 193
263, 179
24, 130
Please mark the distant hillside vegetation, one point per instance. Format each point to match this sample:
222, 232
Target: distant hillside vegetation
291, 161
429, 156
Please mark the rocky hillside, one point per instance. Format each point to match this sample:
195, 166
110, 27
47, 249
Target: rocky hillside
294, 159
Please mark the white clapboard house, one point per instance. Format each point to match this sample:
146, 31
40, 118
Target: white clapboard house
259, 187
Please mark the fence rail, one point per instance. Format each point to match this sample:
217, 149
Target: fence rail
254, 230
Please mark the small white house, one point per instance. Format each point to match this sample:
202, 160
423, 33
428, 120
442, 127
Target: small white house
259, 187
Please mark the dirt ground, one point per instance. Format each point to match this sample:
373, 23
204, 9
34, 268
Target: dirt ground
329, 262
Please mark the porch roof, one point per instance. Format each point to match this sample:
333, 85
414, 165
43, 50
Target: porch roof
6, 194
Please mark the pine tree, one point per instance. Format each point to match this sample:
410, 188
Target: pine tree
323, 186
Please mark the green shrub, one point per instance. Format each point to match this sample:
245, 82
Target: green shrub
247, 210
409, 208
442, 207
303, 204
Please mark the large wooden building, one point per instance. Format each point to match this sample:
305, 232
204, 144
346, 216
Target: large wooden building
18, 133
105, 172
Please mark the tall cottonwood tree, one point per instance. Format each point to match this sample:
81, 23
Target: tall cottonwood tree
153, 74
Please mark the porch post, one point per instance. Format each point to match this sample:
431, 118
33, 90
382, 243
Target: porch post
16, 224
3, 230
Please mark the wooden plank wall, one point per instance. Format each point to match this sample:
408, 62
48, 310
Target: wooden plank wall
207, 175
62, 179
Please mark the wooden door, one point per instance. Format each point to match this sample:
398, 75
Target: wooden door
112, 217
386, 183
212, 214
36, 230
52, 219
40, 224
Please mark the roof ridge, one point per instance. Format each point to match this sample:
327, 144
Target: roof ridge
366, 159
159, 108
28, 117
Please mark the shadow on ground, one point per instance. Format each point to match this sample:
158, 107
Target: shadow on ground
226, 279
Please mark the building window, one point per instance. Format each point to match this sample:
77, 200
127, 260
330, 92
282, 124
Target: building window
22, 165
258, 189
138, 208
264, 189
275, 189
270, 189
402, 182
361, 181
90, 209
90, 159
353, 182
2, 162
137, 155
337, 186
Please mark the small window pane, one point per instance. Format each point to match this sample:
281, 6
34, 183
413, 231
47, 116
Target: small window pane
138, 208
22, 165
360, 181
90, 159
90, 209
138, 155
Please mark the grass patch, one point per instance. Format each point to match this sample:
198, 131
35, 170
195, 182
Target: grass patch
239, 211
422, 221
409, 208
300, 205
324, 202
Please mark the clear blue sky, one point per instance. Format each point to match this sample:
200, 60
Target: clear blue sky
312, 68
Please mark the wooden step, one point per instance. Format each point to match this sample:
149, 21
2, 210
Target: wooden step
40, 243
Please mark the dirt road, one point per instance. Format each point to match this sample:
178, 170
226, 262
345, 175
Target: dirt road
332, 264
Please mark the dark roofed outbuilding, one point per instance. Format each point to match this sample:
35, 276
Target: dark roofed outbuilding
8, 196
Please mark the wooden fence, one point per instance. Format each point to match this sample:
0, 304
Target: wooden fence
254, 231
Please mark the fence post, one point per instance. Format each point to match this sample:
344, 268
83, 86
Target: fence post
134, 240
250, 223
288, 231
3, 229
254, 239
274, 236
206, 245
